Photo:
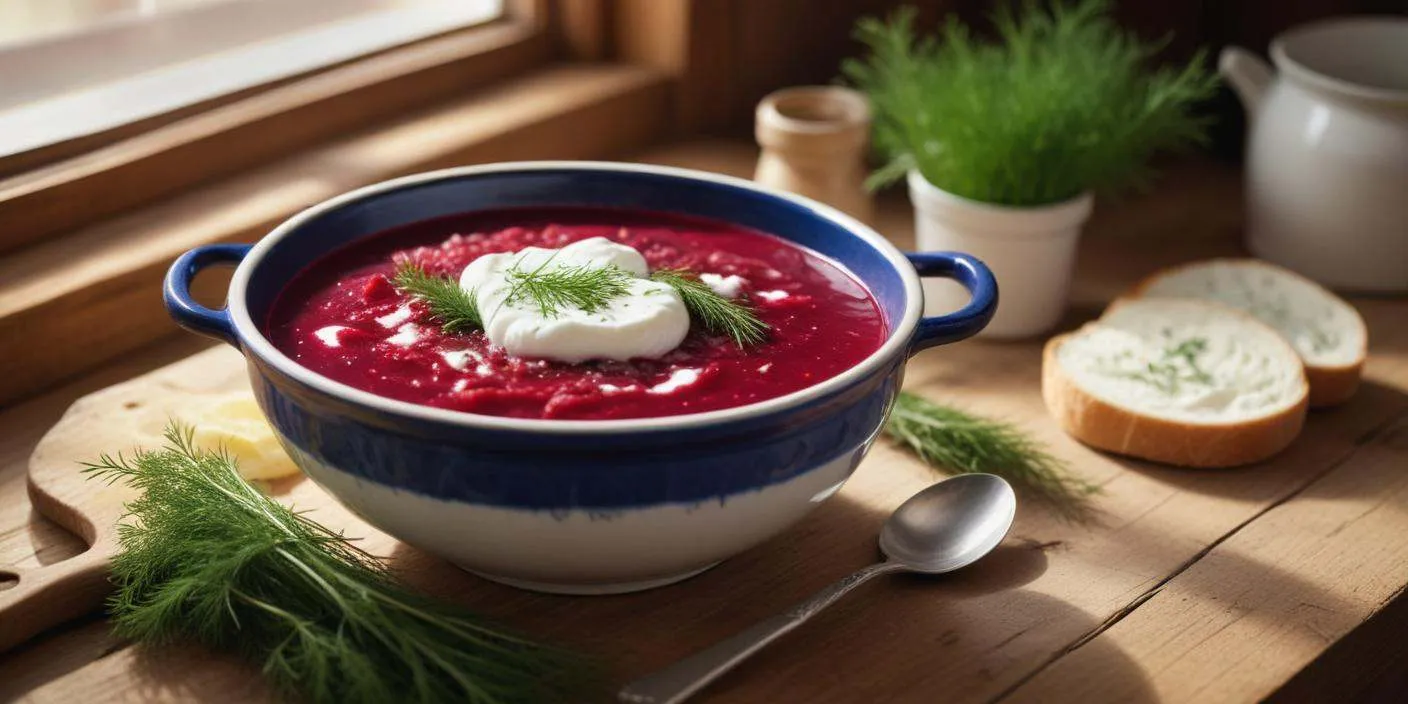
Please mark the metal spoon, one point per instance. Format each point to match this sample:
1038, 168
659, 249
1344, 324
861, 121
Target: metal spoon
945, 527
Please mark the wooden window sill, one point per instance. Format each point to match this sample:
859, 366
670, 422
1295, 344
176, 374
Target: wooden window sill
158, 160
70, 304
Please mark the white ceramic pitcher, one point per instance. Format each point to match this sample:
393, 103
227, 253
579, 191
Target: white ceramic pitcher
1327, 155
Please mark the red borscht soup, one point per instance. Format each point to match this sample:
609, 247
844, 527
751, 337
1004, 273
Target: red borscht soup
344, 317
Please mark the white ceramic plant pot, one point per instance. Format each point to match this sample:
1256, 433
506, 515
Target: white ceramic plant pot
1032, 251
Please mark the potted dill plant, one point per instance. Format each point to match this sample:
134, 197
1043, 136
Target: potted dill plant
1004, 142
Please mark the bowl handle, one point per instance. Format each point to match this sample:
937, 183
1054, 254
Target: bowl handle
975, 276
177, 291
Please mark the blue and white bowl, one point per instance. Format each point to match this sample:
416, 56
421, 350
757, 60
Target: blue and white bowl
578, 506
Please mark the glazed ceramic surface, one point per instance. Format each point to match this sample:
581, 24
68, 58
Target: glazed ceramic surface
579, 506
1032, 252
1327, 153
813, 141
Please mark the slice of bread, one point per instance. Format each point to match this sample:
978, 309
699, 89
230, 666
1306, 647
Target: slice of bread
1181, 381
1328, 333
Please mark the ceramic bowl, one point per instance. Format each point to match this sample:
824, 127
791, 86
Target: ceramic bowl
578, 506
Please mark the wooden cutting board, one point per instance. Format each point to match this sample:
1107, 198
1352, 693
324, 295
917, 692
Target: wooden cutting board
119, 418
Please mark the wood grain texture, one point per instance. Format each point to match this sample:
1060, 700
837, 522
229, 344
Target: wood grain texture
54, 594
234, 137
1190, 546
123, 416
583, 28
693, 42
61, 297
762, 45
1268, 599
35, 551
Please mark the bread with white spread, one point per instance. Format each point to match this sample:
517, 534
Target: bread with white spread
1179, 381
1327, 332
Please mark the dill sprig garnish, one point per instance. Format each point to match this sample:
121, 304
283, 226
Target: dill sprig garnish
582, 286
959, 442
553, 287
721, 316
448, 302
206, 557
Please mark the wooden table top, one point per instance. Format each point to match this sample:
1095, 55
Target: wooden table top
1281, 580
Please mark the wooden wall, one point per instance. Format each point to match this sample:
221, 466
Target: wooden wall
756, 46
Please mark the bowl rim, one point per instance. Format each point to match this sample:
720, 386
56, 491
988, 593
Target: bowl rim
253, 340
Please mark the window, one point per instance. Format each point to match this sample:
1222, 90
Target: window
168, 120
75, 68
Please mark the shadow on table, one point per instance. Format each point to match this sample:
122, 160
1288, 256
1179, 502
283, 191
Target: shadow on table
966, 636
82, 662
974, 635
50, 542
1079, 313
53, 654
1330, 435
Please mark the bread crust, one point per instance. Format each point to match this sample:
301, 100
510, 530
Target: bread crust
1329, 385
1108, 427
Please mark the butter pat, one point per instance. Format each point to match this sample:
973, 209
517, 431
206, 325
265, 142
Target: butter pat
236, 424
649, 321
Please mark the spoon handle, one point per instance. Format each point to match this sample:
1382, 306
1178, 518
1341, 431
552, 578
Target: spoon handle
678, 681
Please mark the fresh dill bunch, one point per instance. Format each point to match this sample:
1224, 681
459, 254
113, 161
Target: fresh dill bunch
449, 303
1065, 101
719, 315
206, 557
960, 442
582, 286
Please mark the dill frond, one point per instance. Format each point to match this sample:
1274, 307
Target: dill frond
554, 287
450, 304
719, 315
959, 442
581, 286
1065, 101
206, 557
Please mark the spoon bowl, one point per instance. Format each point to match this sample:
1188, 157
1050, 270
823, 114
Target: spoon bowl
951, 524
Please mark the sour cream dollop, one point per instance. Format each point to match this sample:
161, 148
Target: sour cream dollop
649, 321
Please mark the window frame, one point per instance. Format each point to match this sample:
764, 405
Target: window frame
52, 190
131, 66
